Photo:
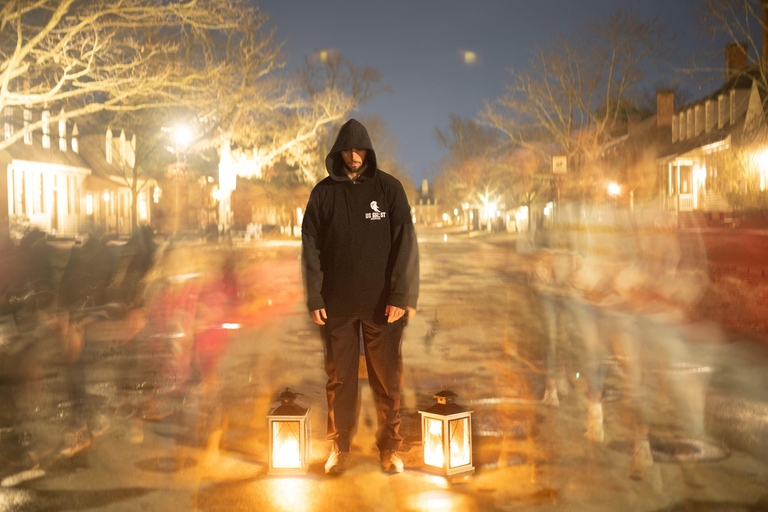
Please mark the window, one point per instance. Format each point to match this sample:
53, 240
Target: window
76, 194
699, 120
12, 190
23, 195
733, 106
690, 126
89, 204
710, 116
675, 128
70, 197
143, 207
108, 148
721, 111
46, 129
27, 119
42, 193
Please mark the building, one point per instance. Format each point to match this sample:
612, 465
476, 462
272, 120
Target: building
710, 139
67, 182
425, 209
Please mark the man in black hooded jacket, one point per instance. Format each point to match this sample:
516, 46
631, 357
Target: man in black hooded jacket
360, 265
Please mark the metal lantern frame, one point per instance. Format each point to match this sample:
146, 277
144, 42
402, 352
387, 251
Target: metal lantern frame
447, 412
282, 417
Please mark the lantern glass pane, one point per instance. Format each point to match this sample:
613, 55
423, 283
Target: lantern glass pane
286, 445
433, 442
459, 435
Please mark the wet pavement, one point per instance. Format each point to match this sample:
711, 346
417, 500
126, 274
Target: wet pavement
479, 333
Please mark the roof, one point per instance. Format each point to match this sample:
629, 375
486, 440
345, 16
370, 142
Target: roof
93, 143
742, 80
35, 152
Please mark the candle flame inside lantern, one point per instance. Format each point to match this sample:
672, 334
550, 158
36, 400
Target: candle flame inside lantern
433, 443
459, 442
285, 444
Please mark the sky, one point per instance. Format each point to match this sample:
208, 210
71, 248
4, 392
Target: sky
418, 46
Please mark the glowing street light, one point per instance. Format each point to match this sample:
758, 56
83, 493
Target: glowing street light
446, 433
182, 135
288, 436
614, 189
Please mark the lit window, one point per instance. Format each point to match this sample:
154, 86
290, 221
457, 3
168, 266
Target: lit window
89, 204
142, 208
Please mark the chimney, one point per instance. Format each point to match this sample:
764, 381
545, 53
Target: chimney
735, 58
665, 107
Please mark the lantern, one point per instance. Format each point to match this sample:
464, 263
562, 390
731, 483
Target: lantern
446, 433
288, 436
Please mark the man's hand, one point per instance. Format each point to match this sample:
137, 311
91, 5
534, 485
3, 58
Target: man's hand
411, 312
318, 316
394, 314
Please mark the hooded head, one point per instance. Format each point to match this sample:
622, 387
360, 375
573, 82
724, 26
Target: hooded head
352, 135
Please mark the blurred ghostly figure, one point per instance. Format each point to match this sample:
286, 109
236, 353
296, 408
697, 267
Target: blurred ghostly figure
87, 276
26, 292
667, 278
141, 251
35, 275
88, 273
550, 275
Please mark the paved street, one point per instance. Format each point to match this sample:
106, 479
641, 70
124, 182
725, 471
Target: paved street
478, 333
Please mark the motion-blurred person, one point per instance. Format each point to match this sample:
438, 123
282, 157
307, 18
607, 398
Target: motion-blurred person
550, 275
141, 251
668, 278
360, 263
87, 276
15, 458
36, 276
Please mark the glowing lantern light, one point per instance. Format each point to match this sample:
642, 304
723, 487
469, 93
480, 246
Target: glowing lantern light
446, 433
288, 436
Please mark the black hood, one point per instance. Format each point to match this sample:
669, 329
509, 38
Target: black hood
352, 135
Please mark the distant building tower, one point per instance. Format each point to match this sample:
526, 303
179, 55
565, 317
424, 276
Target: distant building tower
425, 206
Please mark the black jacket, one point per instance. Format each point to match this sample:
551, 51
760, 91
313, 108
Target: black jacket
359, 251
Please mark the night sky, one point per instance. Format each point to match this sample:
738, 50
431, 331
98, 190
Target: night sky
418, 46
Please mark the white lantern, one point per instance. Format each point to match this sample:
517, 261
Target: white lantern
446, 433
288, 436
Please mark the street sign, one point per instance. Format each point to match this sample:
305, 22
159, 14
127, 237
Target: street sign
559, 164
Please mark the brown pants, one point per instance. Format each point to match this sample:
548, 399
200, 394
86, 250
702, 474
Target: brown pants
381, 341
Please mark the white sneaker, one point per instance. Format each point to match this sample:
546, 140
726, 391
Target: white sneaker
595, 430
390, 461
337, 463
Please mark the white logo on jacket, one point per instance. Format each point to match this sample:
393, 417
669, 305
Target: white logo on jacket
376, 214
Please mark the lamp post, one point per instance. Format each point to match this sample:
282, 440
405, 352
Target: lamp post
181, 138
614, 190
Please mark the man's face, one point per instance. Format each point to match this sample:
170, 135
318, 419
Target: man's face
354, 158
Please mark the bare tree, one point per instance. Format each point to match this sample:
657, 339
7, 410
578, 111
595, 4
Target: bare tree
126, 58
297, 124
474, 171
574, 95
107, 55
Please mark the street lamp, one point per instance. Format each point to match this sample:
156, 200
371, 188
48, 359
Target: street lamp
182, 136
